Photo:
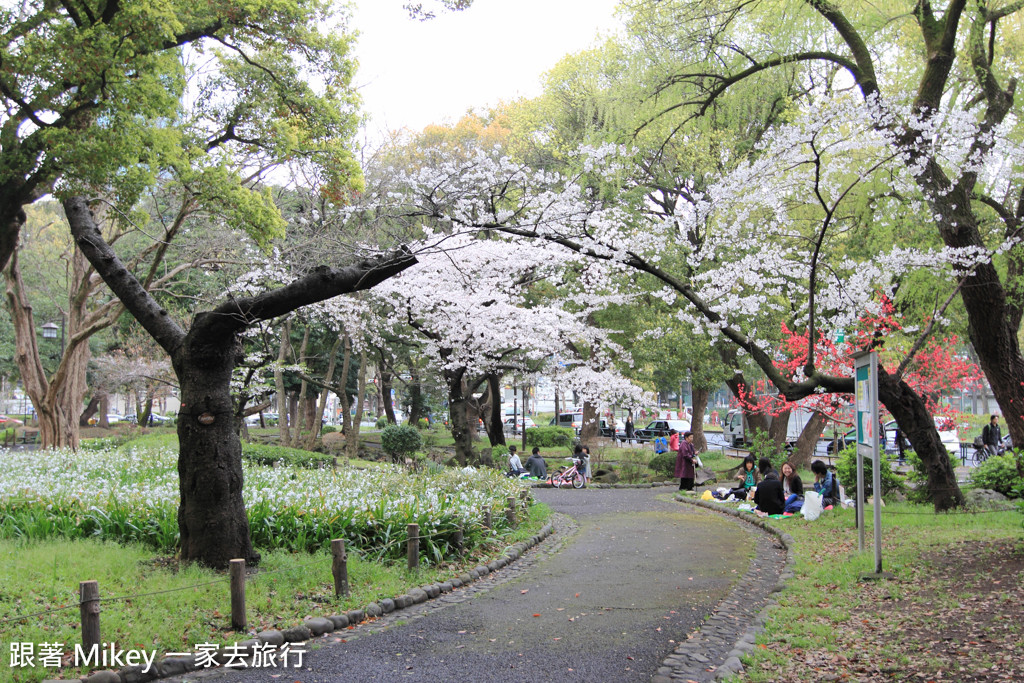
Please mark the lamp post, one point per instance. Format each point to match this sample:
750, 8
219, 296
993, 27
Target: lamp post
50, 332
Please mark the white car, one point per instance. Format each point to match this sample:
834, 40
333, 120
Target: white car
509, 421
947, 433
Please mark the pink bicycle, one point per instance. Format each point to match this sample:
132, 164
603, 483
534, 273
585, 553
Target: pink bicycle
572, 476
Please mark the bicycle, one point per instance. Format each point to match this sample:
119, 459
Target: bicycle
568, 477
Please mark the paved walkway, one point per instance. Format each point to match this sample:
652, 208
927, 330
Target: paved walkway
627, 580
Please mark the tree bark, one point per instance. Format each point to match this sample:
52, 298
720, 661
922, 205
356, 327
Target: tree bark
778, 429
284, 436
311, 441
700, 405
808, 441
491, 410
591, 429
91, 409
386, 383
352, 435
212, 520
462, 431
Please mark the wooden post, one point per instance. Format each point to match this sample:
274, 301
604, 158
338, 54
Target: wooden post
89, 606
460, 540
414, 546
237, 573
339, 566
487, 519
510, 511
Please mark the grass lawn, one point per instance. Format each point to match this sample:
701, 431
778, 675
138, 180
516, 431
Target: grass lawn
181, 606
952, 612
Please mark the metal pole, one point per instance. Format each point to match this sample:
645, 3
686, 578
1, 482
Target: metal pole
876, 471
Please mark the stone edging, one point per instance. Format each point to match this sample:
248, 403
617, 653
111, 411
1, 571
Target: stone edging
318, 626
686, 662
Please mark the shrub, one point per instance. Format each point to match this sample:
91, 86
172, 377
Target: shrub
423, 423
763, 446
549, 437
328, 429
846, 469
382, 422
999, 473
400, 442
282, 455
919, 478
664, 464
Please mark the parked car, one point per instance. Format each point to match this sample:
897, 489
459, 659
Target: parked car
112, 418
575, 421
658, 428
6, 422
510, 421
843, 440
154, 419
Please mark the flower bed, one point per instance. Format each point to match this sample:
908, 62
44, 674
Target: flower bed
131, 494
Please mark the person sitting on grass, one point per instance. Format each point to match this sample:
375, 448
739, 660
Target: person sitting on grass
538, 468
748, 477
826, 484
795, 499
768, 497
790, 479
515, 465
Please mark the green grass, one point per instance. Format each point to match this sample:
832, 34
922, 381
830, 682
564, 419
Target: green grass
826, 594
189, 604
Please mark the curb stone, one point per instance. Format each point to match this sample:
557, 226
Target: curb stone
168, 667
748, 603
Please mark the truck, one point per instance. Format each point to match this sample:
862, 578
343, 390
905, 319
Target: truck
737, 432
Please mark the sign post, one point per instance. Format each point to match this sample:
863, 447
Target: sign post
866, 387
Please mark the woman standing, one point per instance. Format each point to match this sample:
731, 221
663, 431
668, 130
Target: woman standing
684, 462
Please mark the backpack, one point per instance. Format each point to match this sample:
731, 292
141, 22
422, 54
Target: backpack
979, 442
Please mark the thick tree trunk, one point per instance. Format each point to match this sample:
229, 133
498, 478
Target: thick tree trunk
462, 430
918, 426
493, 419
808, 441
591, 429
778, 430
700, 405
346, 364
212, 520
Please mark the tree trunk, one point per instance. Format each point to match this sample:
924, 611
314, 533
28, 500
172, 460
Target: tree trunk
778, 430
346, 364
284, 436
808, 441
91, 409
591, 428
387, 383
352, 435
462, 431
212, 520
918, 426
492, 411
700, 405
318, 419
300, 423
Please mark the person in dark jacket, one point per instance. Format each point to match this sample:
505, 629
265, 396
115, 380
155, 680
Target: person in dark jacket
684, 462
536, 465
768, 497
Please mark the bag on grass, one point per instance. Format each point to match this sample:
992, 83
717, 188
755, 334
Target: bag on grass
812, 505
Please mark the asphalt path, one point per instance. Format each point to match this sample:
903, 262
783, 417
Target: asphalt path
627, 576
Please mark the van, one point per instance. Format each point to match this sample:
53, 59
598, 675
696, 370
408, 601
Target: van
736, 431
575, 422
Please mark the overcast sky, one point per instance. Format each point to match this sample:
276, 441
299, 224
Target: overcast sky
415, 73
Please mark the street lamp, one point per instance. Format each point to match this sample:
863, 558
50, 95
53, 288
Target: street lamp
50, 332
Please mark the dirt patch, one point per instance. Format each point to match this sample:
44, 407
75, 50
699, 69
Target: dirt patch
958, 619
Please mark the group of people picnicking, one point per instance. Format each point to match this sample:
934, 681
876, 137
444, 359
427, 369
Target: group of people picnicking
780, 493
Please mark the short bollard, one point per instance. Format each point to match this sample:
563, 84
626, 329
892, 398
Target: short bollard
414, 546
510, 510
487, 519
89, 606
460, 539
237, 572
339, 567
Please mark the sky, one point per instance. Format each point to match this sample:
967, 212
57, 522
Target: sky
415, 73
